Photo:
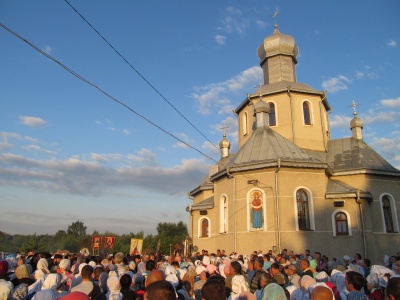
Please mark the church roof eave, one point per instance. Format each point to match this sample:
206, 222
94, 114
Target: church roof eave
283, 87
336, 190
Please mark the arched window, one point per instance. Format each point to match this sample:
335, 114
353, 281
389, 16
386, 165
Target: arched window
272, 115
244, 124
204, 228
306, 113
223, 215
387, 214
341, 224
303, 215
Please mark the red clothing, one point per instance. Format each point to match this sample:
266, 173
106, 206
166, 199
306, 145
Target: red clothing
376, 295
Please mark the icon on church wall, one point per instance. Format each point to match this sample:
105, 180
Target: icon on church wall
256, 210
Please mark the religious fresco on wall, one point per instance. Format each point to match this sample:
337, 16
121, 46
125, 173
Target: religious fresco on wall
256, 210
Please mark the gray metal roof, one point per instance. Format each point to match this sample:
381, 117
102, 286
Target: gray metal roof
204, 205
337, 189
349, 154
267, 145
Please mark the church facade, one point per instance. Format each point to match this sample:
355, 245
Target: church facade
290, 185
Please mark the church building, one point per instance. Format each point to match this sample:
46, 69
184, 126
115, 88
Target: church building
290, 185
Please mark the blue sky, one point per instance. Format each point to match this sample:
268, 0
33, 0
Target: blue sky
67, 152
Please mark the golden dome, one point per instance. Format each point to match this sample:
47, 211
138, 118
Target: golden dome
278, 43
356, 122
224, 143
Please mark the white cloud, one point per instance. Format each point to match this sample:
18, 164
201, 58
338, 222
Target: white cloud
336, 84
75, 176
388, 147
340, 121
126, 132
144, 157
261, 24
216, 96
220, 39
47, 49
32, 121
38, 149
392, 43
391, 103
233, 22
360, 74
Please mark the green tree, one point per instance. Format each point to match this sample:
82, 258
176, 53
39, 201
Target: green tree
33, 244
171, 236
77, 229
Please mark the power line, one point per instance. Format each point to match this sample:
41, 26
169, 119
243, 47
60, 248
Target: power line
141, 76
104, 92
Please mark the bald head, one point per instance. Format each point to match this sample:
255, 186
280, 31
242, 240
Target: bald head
321, 293
155, 275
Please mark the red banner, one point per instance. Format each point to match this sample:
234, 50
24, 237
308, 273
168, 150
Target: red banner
96, 241
109, 242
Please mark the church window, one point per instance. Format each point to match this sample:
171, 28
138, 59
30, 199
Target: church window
272, 115
205, 228
341, 224
244, 123
387, 214
306, 113
223, 214
303, 215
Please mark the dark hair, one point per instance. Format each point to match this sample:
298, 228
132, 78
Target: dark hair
150, 265
267, 277
359, 255
356, 279
237, 267
175, 263
160, 290
367, 262
393, 288
259, 261
214, 289
125, 280
87, 272
275, 266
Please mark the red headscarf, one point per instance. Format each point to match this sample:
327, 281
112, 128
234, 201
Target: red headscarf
3, 268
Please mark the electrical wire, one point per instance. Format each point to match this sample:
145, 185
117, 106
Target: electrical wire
104, 92
141, 76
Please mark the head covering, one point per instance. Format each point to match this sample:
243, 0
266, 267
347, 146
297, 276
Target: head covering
42, 264
51, 282
22, 272
377, 281
132, 265
335, 271
273, 292
381, 270
81, 265
44, 295
206, 260
20, 292
75, 296
346, 257
113, 284
313, 263
211, 269
200, 269
64, 264
356, 268
3, 268
170, 273
5, 289
306, 281
295, 293
92, 263
221, 270
322, 276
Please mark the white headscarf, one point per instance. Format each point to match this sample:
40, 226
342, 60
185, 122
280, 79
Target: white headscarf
51, 282
6, 288
170, 273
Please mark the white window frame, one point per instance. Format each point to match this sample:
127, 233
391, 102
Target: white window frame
334, 222
200, 228
310, 207
223, 214
393, 210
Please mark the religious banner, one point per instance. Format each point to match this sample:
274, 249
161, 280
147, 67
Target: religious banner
96, 242
136, 247
109, 243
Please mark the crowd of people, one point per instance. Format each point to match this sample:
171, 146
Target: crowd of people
208, 276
